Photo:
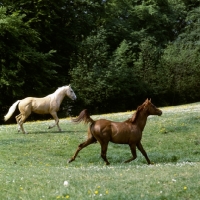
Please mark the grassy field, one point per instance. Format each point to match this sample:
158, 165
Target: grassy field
34, 166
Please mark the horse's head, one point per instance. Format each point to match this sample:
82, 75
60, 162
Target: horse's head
151, 109
70, 93
148, 108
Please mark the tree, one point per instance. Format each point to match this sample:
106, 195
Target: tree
180, 63
23, 70
88, 68
147, 68
101, 79
135, 20
61, 25
114, 50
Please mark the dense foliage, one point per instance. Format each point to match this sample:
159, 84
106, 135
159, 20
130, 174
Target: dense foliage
114, 53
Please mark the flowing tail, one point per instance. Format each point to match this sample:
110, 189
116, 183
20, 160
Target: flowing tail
11, 110
83, 116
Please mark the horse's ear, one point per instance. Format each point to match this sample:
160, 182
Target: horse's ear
69, 85
150, 100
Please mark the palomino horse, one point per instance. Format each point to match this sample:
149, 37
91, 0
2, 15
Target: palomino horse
127, 132
46, 105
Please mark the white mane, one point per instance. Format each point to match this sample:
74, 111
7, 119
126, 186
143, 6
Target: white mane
58, 91
61, 88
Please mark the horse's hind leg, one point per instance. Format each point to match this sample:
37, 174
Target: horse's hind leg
133, 151
140, 147
20, 120
21, 124
18, 117
81, 146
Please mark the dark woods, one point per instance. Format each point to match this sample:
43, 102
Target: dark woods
115, 54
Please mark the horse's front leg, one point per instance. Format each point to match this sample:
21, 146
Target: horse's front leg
140, 147
54, 115
104, 147
133, 151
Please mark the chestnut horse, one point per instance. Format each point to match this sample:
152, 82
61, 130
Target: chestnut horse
46, 105
127, 132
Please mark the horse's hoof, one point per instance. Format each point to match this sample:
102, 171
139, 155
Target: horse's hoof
69, 160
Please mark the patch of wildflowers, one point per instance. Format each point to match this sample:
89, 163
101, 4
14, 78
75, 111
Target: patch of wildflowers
96, 192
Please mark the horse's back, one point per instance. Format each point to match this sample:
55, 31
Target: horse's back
30, 100
37, 105
100, 125
26, 101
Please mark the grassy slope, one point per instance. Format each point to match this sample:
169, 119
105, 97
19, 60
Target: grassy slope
34, 166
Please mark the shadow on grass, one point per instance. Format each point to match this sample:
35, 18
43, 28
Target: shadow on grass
47, 131
14, 141
52, 132
171, 158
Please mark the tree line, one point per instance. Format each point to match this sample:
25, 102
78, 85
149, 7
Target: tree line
115, 54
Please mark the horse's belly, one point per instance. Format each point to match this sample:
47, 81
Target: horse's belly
40, 109
120, 141
126, 135
121, 138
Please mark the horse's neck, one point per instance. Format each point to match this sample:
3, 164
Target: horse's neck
59, 96
141, 120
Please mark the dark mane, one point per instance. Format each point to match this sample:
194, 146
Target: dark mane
135, 114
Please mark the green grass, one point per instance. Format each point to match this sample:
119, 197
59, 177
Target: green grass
34, 166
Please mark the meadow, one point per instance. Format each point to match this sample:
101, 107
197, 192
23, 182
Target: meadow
34, 166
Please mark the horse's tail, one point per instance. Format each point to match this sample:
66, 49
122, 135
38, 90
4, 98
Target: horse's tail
83, 116
11, 110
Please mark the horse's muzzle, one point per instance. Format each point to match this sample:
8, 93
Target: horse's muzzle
159, 112
74, 98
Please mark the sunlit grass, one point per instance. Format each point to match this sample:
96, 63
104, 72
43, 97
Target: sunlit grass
34, 166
